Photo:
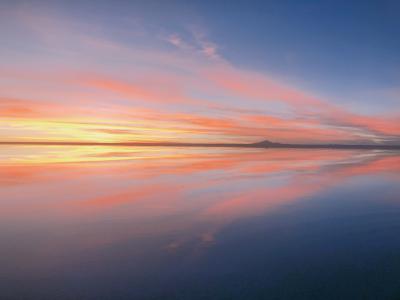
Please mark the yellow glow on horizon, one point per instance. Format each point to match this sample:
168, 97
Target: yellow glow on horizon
93, 130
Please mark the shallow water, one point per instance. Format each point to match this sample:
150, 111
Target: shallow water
175, 223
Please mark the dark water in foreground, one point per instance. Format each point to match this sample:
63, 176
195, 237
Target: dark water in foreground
123, 223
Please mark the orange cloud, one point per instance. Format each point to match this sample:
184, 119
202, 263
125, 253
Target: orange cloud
159, 94
255, 86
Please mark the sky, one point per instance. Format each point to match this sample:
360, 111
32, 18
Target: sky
200, 71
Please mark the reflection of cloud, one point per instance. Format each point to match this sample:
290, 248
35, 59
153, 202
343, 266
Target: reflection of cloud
208, 237
254, 202
310, 171
188, 197
131, 196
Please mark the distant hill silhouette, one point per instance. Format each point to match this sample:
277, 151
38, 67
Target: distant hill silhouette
265, 143
269, 144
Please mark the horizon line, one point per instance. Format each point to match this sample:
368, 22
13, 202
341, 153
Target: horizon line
262, 144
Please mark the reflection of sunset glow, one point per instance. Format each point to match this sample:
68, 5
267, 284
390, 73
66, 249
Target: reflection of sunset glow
137, 179
67, 154
92, 198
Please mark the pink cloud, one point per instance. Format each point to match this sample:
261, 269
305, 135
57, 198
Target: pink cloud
195, 91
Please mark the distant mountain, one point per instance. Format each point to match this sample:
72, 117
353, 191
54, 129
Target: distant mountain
265, 143
269, 144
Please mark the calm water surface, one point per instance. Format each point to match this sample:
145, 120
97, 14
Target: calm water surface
165, 223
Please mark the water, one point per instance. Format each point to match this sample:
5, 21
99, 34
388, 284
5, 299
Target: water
175, 223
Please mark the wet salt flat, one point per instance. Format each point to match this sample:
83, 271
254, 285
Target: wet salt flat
176, 223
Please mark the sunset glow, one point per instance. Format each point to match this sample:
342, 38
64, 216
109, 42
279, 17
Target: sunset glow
68, 76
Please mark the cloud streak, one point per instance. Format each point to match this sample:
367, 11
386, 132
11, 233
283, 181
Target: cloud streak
152, 92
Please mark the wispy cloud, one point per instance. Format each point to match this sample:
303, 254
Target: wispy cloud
148, 91
198, 44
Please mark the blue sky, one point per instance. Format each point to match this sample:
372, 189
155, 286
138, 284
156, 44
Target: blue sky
345, 54
347, 50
